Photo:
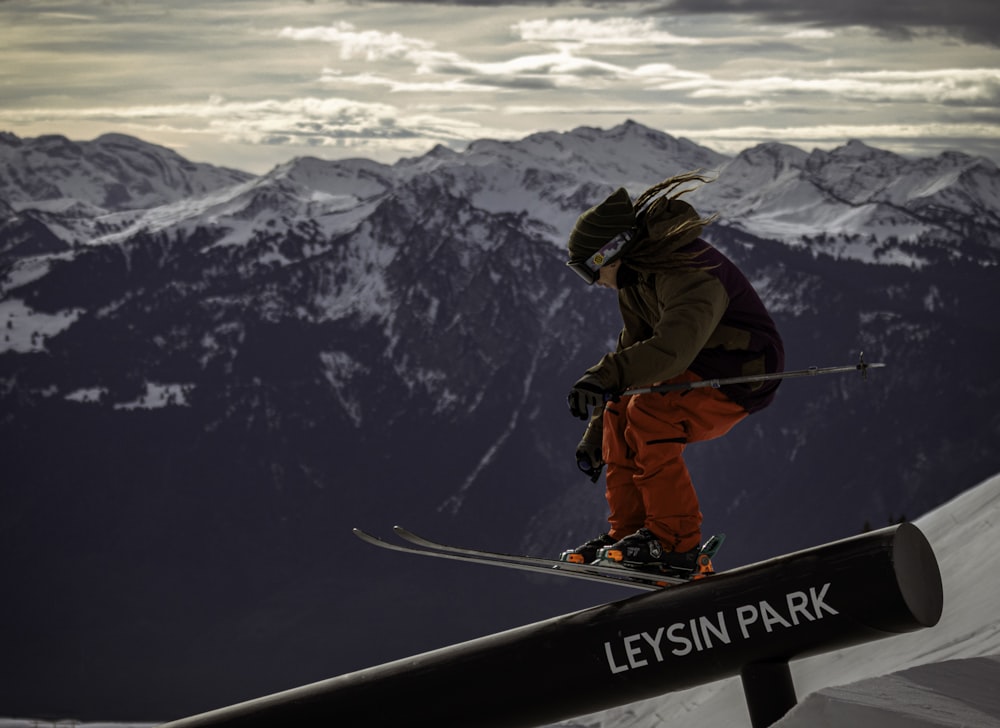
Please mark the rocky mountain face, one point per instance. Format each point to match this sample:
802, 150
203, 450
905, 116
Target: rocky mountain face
207, 378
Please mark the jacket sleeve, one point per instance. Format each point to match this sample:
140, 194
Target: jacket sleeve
690, 304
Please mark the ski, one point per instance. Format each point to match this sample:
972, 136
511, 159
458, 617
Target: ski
709, 550
607, 574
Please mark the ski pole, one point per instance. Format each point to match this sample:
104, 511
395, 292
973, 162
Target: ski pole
862, 366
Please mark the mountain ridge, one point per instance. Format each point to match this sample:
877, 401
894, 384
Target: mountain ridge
900, 203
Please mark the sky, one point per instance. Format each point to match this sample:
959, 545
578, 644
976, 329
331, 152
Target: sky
253, 83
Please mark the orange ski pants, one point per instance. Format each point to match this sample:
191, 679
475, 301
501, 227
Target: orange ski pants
648, 484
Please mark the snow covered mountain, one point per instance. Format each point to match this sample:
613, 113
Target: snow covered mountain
209, 377
864, 203
111, 173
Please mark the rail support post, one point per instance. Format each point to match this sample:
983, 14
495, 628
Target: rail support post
769, 691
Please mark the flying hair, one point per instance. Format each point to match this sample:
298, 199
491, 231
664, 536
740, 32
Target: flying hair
657, 249
669, 187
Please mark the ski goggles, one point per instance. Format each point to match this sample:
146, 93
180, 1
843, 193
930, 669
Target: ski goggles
589, 268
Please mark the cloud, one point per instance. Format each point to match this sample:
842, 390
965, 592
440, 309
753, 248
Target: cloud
263, 80
312, 121
953, 86
571, 59
371, 45
942, 135
616, 32
563, 67
975, 21
573, 64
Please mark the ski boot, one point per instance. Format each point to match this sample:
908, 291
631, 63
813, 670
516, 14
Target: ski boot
643, 551
588, 552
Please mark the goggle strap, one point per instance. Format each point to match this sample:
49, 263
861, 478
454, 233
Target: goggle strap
609, 250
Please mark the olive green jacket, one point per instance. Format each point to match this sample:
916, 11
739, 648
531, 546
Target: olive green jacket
700, 315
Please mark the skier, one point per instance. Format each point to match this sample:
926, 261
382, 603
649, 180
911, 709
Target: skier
689, 313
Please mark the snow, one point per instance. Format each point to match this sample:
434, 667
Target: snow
88, 395
159, 395
953, 693
26, 270
454, 504
25, 330
782, 297
366, 291
338, 369
203, 209
156, 395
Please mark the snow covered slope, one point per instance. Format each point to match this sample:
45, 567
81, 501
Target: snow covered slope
952, 694
963, 535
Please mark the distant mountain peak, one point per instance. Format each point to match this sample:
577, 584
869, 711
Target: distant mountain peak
119, 138
9, 139
856, 147
115, 171
771, 154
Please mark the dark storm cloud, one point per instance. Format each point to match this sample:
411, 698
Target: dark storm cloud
975, 21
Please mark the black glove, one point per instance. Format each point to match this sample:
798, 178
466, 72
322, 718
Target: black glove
585, 393
588, 456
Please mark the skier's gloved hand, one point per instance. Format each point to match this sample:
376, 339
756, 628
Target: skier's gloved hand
586, 393
588, 457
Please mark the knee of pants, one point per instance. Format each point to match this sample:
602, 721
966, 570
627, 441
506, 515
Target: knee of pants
661, 457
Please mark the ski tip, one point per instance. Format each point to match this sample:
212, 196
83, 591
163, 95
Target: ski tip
365, 536
408, 535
